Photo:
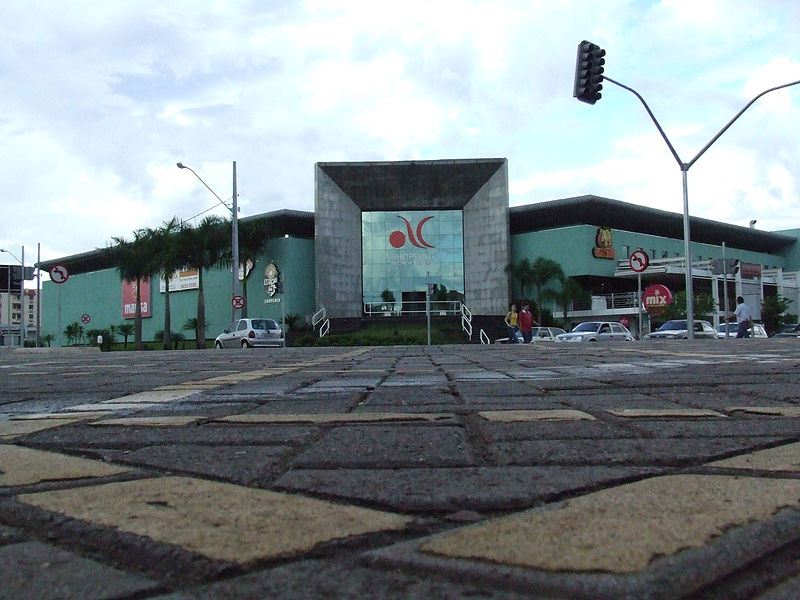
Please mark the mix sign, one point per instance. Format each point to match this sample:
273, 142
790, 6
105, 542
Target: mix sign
656, 298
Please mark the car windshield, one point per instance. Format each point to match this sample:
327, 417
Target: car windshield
264, 324
730, 326
673, 326
589, 326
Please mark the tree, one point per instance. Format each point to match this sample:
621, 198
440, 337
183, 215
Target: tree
135, 261
74, 332
773, 309
570, 291
254, 238
126, 330
48, 339
202, 248
544, 271
168, 259
704, 306
523, 272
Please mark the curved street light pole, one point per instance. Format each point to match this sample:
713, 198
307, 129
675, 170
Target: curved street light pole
684, 173
234, 210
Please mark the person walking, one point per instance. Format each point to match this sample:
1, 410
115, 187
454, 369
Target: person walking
512, 324
744, 318
526, 323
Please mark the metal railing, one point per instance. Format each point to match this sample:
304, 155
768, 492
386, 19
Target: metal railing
466, 321
321, 316
396, 309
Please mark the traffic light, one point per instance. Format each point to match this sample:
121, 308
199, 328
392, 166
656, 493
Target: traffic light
589, 72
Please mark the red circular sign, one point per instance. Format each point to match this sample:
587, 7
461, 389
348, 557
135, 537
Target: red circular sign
656, 298
639, 261
238, 302
85, 318
59, 274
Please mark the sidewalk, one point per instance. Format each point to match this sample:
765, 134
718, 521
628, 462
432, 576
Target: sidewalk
663, 470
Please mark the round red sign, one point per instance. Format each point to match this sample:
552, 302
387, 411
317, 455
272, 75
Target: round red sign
656, 298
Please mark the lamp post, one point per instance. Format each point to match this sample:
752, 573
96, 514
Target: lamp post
234, 210
21, 295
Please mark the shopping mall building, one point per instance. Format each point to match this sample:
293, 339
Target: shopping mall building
384, 233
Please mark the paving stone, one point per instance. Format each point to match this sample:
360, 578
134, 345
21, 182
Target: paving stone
26, 466
160, 421
716, 428
326, 579
514, 416
544, 430
380, 446
453, 489
82, 436
243, 464
329, 418
635, 452
36, 571
667, 413
775, 411
788, 590
780, 458
218, 520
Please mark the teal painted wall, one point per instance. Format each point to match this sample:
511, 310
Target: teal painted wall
571, 247
99, 295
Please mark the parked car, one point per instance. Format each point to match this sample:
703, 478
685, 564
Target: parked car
250, 333
790, 331
758, 330
539, 334
597, 331
678, 330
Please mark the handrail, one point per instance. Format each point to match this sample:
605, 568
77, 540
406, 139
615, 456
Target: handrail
466, 320
484, 338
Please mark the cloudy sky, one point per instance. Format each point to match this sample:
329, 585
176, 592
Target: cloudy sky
101, 98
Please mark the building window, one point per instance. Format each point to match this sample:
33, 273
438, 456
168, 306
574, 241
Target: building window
403, 250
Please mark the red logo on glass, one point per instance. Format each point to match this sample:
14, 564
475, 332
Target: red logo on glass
398, 238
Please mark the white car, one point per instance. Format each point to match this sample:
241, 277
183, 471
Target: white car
678, 330
250, 333
538, 334
757, 331
597, 331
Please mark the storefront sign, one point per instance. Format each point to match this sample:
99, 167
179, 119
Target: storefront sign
271, 275
656, 298
188, 279
603, 244
129, 298
750, 270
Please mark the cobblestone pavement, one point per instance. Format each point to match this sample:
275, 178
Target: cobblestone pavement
549, 471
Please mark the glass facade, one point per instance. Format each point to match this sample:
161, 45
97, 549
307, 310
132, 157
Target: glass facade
400, 248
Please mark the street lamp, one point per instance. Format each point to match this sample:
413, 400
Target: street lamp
234, 210
21, 295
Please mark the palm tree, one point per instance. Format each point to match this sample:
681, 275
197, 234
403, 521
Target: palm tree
544, 271
126, 330
570, 291
523, 271
73, 331
254, 237
168, 260
202, 248
135, 261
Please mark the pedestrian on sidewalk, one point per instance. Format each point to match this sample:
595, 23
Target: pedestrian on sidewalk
512, 324
526, 323
744, 317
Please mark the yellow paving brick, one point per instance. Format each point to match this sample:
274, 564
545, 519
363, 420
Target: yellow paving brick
26, 466
511, 416
72, 416
176, 421
320, 418
782, 458
219, 520
12, 429
621, 529
664, 413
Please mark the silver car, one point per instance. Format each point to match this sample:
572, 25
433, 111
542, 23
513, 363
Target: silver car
757, 331
250, 333
678, 330
597, 331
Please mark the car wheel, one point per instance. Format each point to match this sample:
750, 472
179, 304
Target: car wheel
218, 345
245, 344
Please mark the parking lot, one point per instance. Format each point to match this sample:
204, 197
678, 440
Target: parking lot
637, 470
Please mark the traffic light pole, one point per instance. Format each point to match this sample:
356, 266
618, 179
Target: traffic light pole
684, 175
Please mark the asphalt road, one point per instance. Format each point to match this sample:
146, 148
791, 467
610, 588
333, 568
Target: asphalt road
643, 470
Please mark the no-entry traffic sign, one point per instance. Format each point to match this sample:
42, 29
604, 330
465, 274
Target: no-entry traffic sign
59, 274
